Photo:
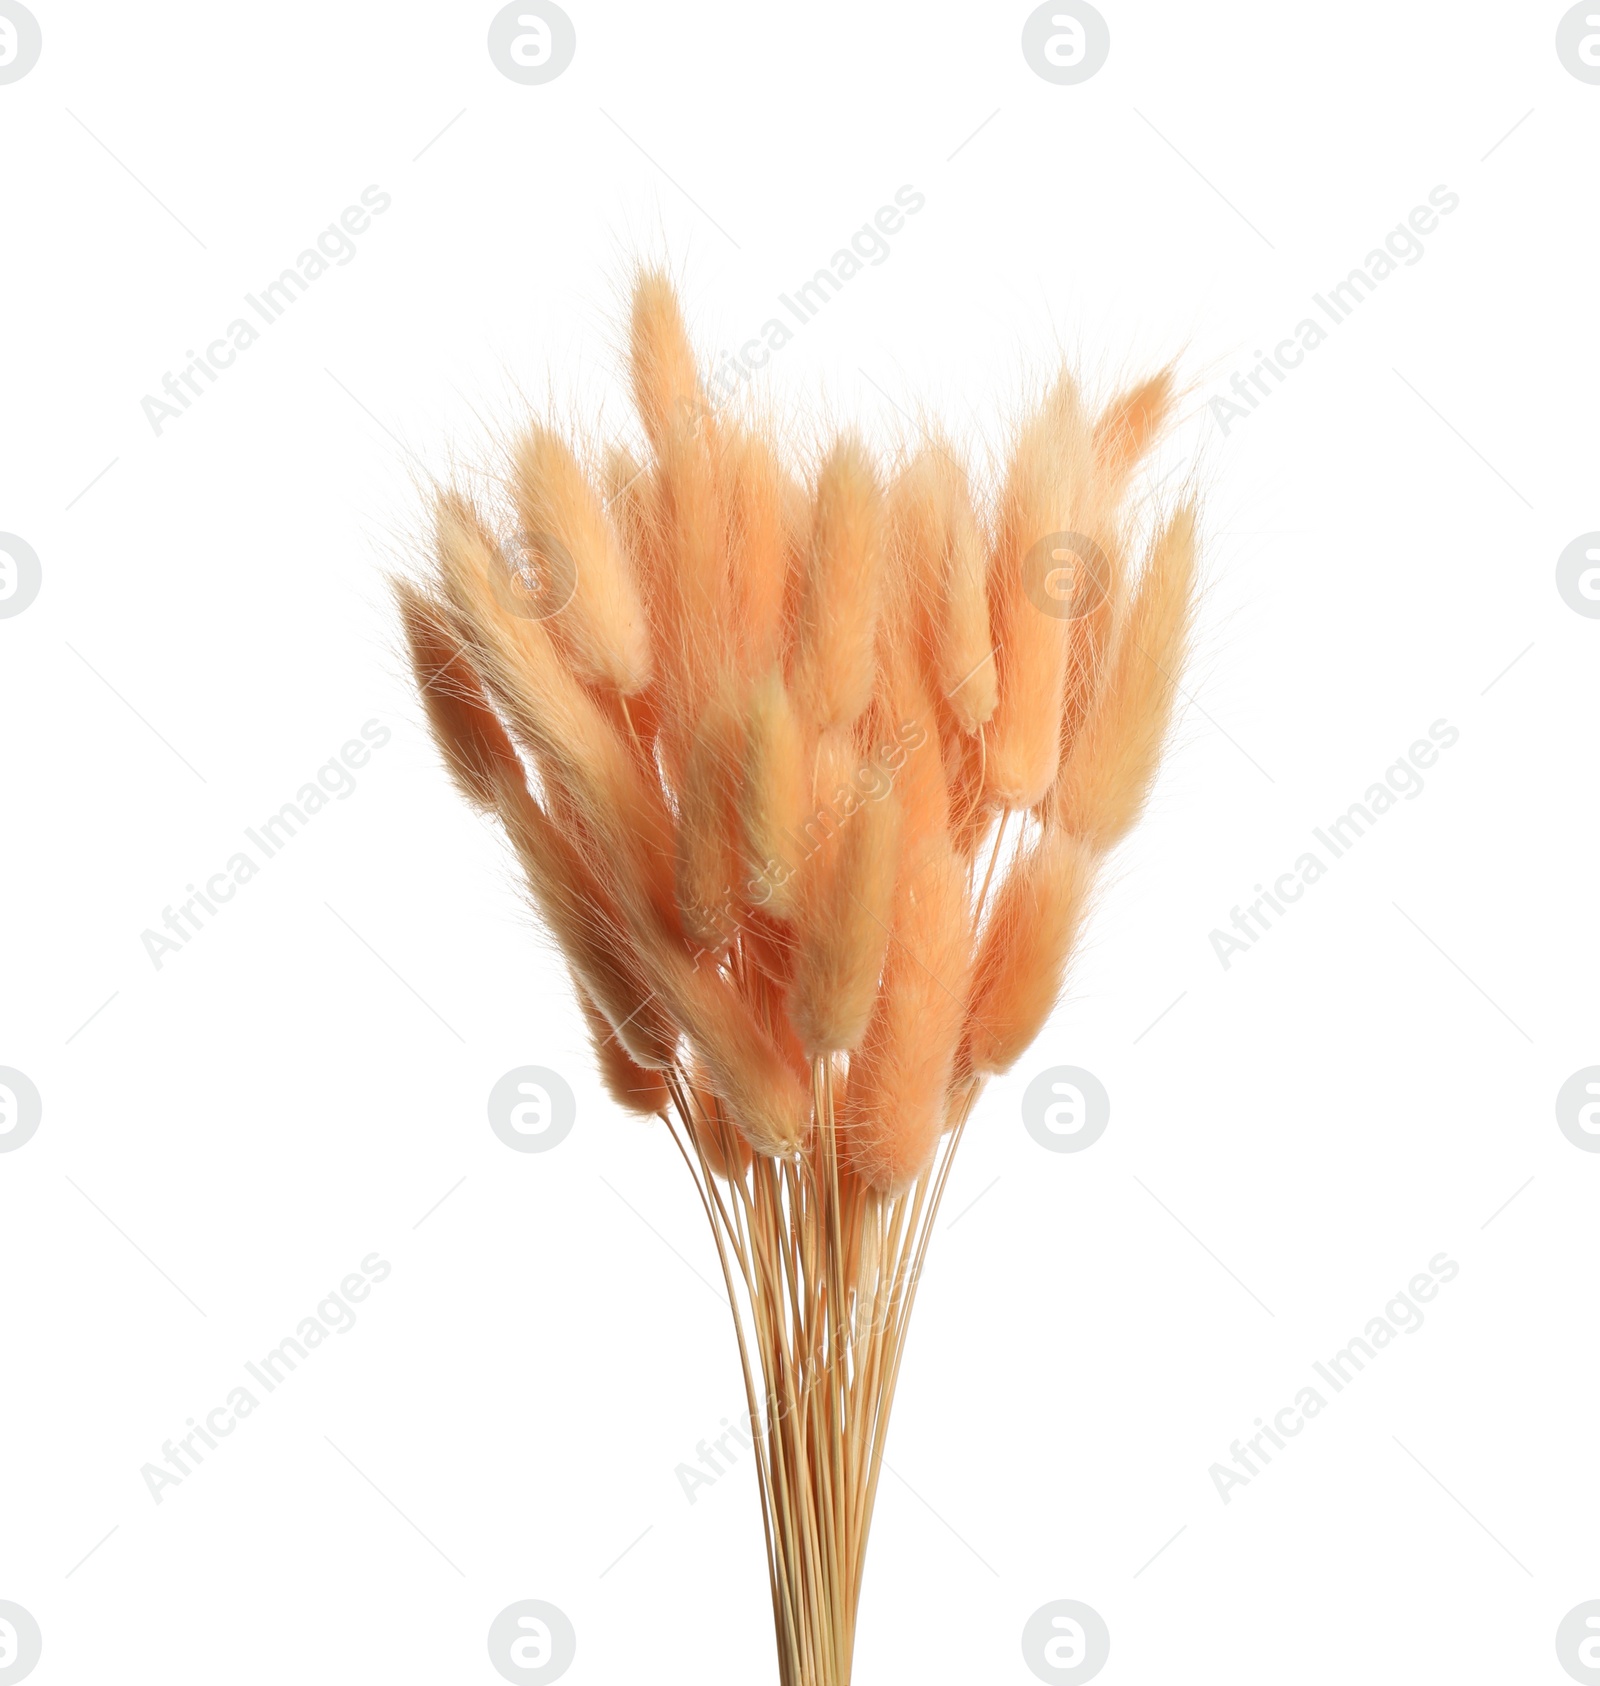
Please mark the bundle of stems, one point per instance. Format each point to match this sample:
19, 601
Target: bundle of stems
810, 773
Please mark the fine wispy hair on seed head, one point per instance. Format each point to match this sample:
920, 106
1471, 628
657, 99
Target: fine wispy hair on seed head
756, 717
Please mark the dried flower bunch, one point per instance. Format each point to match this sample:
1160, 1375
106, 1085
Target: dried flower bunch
756, 738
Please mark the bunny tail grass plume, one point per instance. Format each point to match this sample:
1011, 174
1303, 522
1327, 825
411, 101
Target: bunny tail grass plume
894, 1112
844, 930
602, 623
965, 651
666, 384
468, 733
809, 774
635, 1088
1108, 771
1132, 423
774, 793
833, 666
1026, 947
1045, 497
759, 536
709, 855
584, 919
940, 563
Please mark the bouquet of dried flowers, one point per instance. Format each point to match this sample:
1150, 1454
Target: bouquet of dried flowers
810, 776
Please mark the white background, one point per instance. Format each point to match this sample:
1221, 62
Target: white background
305, 1081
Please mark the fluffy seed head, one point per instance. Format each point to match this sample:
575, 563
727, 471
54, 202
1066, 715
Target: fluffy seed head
635, 1088
1025, 949
593, 600
752, 761
899, 1087
467, 731
1045, 499
760, 545
833, 667
1131, 424
709, 859
844, 928
773, 796
666, 386
940, 564
1109, 768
